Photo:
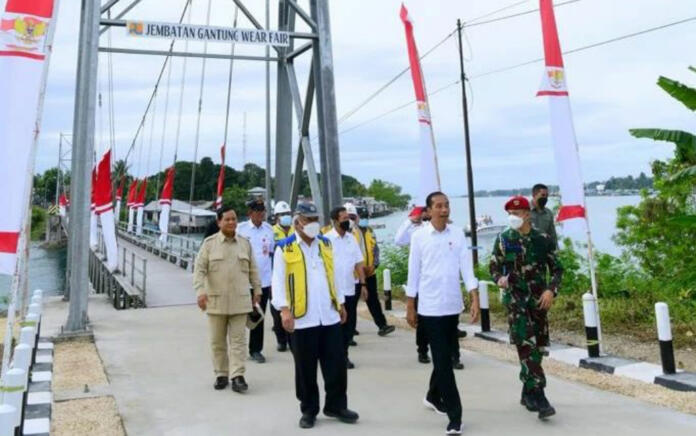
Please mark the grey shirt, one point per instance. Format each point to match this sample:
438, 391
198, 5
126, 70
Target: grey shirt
543, 222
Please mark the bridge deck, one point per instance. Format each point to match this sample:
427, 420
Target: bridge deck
167, 284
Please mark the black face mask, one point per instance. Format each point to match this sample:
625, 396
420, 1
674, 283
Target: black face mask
541, 201
426, 219
344, 225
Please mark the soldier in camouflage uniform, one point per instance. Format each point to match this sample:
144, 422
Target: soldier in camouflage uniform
522, 260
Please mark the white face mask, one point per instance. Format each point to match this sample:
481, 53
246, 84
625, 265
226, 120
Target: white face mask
515, 221
311, 229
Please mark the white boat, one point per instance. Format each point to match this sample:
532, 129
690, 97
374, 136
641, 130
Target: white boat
486, 227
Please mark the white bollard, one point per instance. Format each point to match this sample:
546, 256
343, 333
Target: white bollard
484, 305
37, 299
27, 335
22, 357
589, 309
13, 390
387, 289
7, 415
38, 292
664, 336
34, 308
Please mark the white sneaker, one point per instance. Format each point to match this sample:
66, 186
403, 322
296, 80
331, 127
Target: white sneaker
432, 406
454, 429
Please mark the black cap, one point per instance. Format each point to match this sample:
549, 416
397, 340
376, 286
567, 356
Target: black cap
307, 209
256, 205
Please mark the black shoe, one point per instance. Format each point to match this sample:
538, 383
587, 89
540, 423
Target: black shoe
528, 400
386, 329
545, 409
282, 347
221, 383
345, 415
461, 334
423, 358
307, 421
454, 428
436, 406
457, 364
258, 357
356, 333
352, 343
349, 364
239, 384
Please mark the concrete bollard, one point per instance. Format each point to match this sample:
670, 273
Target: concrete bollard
589, 308
27, 335
387, 290
664, 335
34, 308
37, 292
484, 305
13, 389
7, 416
37, 299
22, 357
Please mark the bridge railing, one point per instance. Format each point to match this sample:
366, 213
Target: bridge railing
180, 250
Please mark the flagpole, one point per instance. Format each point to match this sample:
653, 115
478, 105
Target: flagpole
467, 144
26, 224
593, 279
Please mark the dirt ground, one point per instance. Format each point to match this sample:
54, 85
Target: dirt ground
77, 369
681, 401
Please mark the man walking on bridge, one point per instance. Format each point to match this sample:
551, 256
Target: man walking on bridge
521, 260
260, 235
305, 292
225, 270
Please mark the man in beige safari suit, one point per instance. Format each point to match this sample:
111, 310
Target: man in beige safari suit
225, 271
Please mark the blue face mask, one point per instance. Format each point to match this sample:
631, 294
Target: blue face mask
363, 222
285, 220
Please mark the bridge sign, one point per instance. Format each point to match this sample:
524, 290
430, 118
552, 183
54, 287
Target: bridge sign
191, 32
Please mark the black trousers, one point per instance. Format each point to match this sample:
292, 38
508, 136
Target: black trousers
441, 332
422, 339
280, 333
373, 303
322, 345
351, 306
256, 335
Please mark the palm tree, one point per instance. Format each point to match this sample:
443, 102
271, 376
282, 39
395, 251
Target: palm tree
685, 142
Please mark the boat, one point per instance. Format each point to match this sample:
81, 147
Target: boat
486, 227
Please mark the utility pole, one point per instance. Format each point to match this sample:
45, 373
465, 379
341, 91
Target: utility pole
81, 168
467, 143
269, 211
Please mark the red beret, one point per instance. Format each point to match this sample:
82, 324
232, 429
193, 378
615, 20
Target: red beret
416, 211
518, 202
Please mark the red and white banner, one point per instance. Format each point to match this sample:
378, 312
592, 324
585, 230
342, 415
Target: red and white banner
140, 206
105, 211
63, 205
429, 173
221, 180
554, 87
130, 203
166, 204
119, 198
24, 45
93, 220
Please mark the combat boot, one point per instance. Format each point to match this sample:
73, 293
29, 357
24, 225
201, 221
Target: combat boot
528, 400
545, 409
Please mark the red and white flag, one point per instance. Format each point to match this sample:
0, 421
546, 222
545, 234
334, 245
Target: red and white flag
130, 203
553, 86
24, 27
166, 204
429, 173
63, 205
140, 206
105, 211
119, 198
221, 180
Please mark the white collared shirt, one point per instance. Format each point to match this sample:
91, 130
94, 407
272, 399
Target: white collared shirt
403, 235
346, 255
320, 310
435, 263
262, 243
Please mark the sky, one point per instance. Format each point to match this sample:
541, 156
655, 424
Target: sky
612, 89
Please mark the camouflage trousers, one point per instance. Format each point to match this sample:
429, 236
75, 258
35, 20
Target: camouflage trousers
528, 331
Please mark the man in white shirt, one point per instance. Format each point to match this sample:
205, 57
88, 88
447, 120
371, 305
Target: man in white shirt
348, 263
439, 255
311, 307
260, 235
415, 221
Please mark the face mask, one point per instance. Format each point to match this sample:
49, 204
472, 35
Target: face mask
285, 220
541, 201
515, 221
311, 229
351, 223
363, 222
344, 225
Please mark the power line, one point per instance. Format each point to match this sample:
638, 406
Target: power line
519, 65
471, 23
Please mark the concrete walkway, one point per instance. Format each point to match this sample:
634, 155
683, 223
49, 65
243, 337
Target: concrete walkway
158, 363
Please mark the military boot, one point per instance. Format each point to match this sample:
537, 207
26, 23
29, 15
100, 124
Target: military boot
545, 409
528, 400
